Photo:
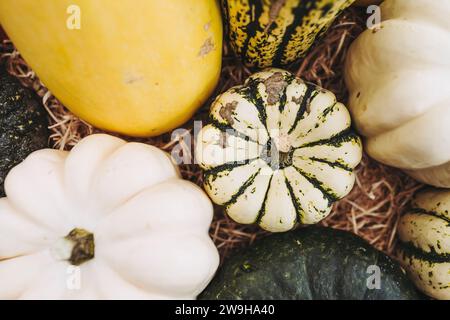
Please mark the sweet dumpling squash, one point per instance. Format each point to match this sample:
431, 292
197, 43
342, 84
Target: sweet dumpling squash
278, 151
399, 79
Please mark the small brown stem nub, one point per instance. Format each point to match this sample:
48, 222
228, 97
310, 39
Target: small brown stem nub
83, 246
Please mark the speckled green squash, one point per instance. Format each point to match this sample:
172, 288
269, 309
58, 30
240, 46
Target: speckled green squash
276, 32
278, 151
306, 264
424, 248
23, 124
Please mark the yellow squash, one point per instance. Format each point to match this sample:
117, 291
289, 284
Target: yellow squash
136, 67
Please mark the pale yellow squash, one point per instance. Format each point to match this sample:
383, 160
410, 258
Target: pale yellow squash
137, 67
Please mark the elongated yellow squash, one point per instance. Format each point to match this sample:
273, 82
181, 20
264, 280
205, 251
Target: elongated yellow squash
136, 67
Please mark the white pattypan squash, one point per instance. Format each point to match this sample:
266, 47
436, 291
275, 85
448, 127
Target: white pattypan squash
278, 151
399, 82
109, 220
424, 248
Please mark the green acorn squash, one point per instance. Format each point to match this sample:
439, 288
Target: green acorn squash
310, 263
277, 32
23, 124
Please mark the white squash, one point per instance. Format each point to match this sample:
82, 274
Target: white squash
109, 220
424, 248
278, 151
399, 80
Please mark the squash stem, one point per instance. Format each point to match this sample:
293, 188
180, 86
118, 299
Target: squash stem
83, 246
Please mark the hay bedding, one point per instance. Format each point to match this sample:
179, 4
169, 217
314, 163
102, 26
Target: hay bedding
371, 210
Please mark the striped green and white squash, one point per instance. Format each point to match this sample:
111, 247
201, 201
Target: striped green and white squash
424, 249
278, 151
277, 32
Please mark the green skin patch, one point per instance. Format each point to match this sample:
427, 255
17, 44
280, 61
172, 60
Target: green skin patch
276, 32
310, 263
23, 124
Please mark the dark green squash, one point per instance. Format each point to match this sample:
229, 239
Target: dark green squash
309, 263
23, 124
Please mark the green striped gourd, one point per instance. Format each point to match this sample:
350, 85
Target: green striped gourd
424, 248
278, 151
276, 32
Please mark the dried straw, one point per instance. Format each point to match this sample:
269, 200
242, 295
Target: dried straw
371, 210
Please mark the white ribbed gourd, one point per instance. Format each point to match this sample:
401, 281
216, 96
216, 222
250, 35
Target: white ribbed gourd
399, 82
109, 220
